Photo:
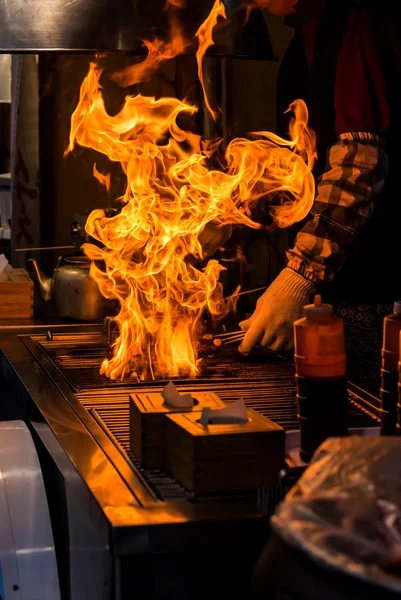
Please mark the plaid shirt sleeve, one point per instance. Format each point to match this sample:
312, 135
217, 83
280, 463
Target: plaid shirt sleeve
355, 175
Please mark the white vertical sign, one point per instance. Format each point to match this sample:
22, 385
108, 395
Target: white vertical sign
25, 228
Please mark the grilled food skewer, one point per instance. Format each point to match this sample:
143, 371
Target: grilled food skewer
228, 334
233, 340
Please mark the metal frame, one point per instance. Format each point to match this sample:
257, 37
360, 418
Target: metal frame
119, 26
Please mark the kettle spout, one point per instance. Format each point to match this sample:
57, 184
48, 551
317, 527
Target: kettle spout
43, 283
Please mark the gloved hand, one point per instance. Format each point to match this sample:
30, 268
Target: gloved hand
214, 237
276, 310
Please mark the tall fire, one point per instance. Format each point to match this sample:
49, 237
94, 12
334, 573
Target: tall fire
151, 249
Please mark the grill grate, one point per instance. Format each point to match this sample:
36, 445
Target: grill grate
79, 358
113, 416
115, 421
265, 381
267, 400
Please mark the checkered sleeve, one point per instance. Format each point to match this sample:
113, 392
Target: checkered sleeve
346, 193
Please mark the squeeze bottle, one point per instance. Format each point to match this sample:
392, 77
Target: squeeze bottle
389, 370
320, 362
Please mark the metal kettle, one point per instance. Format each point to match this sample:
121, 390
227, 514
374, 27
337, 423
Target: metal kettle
71, 289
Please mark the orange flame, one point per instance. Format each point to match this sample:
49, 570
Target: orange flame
205, 40
151, 249
158, 52
102, 179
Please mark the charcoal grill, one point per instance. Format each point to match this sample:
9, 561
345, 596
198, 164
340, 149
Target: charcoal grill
144, 513
265, 380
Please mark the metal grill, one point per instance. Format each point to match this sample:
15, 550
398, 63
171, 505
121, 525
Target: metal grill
278, 404
112, 414
115, 421
265, 381
79, 357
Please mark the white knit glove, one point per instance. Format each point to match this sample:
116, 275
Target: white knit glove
276, 310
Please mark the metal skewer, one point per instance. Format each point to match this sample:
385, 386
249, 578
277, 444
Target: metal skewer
259, 289
228, 334
45, 248
234, 339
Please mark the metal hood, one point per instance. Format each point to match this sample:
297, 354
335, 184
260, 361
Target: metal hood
121, 25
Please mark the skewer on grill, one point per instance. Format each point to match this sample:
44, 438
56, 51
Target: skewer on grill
223, 339
228, 334
233, 339
230, 337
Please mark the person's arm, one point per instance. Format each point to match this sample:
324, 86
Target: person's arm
357, 164
356, 173
346, 193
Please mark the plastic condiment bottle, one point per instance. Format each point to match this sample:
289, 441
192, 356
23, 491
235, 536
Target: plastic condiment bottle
320, 362
389, 370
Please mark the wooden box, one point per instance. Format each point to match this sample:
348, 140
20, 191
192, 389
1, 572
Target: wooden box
147, 423
16, 296
223, 458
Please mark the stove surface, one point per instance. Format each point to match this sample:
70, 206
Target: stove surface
265, 380
89, 415
79, 358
